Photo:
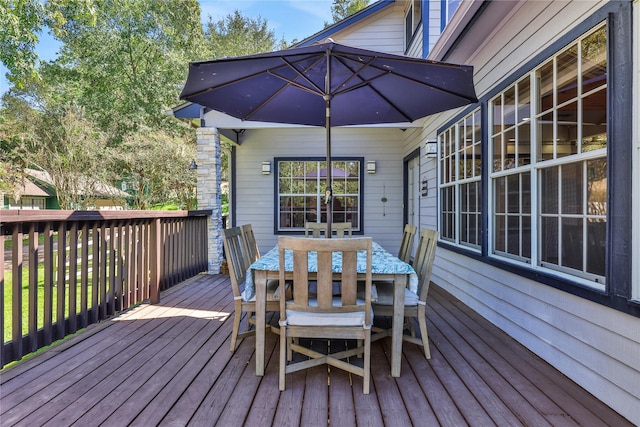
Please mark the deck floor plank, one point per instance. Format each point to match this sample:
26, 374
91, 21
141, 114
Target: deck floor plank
575, 403
535, 400
170, 364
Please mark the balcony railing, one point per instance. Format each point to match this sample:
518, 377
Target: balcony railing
61, 271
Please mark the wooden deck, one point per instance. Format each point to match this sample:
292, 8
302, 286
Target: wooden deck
170, 364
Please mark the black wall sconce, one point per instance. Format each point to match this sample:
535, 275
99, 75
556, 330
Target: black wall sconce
193, 165
425, 188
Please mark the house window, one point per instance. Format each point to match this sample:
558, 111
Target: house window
448, 8
301, 192
548, 135
412, 19
460, 173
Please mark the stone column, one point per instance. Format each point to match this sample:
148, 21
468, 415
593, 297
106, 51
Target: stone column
209, 177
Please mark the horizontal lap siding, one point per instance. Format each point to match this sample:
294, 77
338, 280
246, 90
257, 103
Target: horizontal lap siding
383, 32
595, 346
255, 192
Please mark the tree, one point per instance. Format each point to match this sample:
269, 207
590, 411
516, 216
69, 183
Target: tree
155, 165
341, 9
126, 68
236, 35
21, 22
73, 152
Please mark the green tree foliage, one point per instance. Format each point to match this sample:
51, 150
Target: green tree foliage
74, 153
98, 112
341, 9
236, 35
126, 69
156, 166
22, 20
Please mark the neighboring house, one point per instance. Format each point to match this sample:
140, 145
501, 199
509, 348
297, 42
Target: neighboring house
533, 189
29, 195
38, 192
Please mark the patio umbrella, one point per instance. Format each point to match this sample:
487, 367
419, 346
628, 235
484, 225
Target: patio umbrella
328, 84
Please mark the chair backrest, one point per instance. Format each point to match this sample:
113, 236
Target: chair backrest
348, 279
252, 253
235, 251
341, 228
423, 261
407, 242
315, 229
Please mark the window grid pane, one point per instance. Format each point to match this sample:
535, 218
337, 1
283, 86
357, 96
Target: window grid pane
301, 193
461, 169
570, 119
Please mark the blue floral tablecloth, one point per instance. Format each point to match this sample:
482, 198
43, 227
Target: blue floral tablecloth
383, 262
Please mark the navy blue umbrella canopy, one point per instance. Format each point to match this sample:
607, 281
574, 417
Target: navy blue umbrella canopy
366, 87
329, 85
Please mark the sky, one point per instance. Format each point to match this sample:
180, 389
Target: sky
288, 19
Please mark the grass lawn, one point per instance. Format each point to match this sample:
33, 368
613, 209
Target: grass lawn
8, 298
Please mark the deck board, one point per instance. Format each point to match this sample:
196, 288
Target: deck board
170, 364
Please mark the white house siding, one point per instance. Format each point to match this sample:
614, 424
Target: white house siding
596, 346
383, 32
255, 192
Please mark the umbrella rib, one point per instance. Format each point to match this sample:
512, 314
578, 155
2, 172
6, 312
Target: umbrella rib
289, 82
423, 83
365, 82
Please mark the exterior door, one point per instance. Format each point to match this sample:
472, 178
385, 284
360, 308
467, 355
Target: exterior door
412, 191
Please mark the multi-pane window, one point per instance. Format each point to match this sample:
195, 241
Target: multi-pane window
301, 192
460, 173
412, 19
448, 9
549, 171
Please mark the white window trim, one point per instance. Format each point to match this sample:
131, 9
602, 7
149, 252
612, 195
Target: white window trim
456, 184
535, 167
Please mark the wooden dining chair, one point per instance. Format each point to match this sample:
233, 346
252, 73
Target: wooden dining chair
238, 261
414, 305
325, 315
406, 244
253, 253
315, 229
342, 228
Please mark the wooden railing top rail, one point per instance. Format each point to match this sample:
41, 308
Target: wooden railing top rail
25, 215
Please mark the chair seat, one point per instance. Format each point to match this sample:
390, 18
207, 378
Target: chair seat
385, 295
303, 318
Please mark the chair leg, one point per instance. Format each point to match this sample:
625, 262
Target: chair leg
237, 315
284, 348
412, 326
367, 363
422, 321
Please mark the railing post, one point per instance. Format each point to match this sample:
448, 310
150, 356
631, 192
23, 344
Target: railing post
156, 256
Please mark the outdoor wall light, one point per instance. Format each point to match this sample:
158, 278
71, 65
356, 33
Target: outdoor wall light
266, 168
193, 165
431, 147
371, 166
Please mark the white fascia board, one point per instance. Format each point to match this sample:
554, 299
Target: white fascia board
220, 120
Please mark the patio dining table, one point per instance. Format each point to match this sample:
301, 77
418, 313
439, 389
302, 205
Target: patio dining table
385, 266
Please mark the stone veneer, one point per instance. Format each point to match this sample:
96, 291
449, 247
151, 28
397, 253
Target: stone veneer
209, 178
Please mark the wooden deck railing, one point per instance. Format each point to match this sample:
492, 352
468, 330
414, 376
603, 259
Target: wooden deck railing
111, 261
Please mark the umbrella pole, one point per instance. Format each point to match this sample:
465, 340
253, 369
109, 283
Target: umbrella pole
327, 124
328, 191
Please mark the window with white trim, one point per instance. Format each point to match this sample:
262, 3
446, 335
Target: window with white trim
460, 181
548, 178
412, 18
301, 187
